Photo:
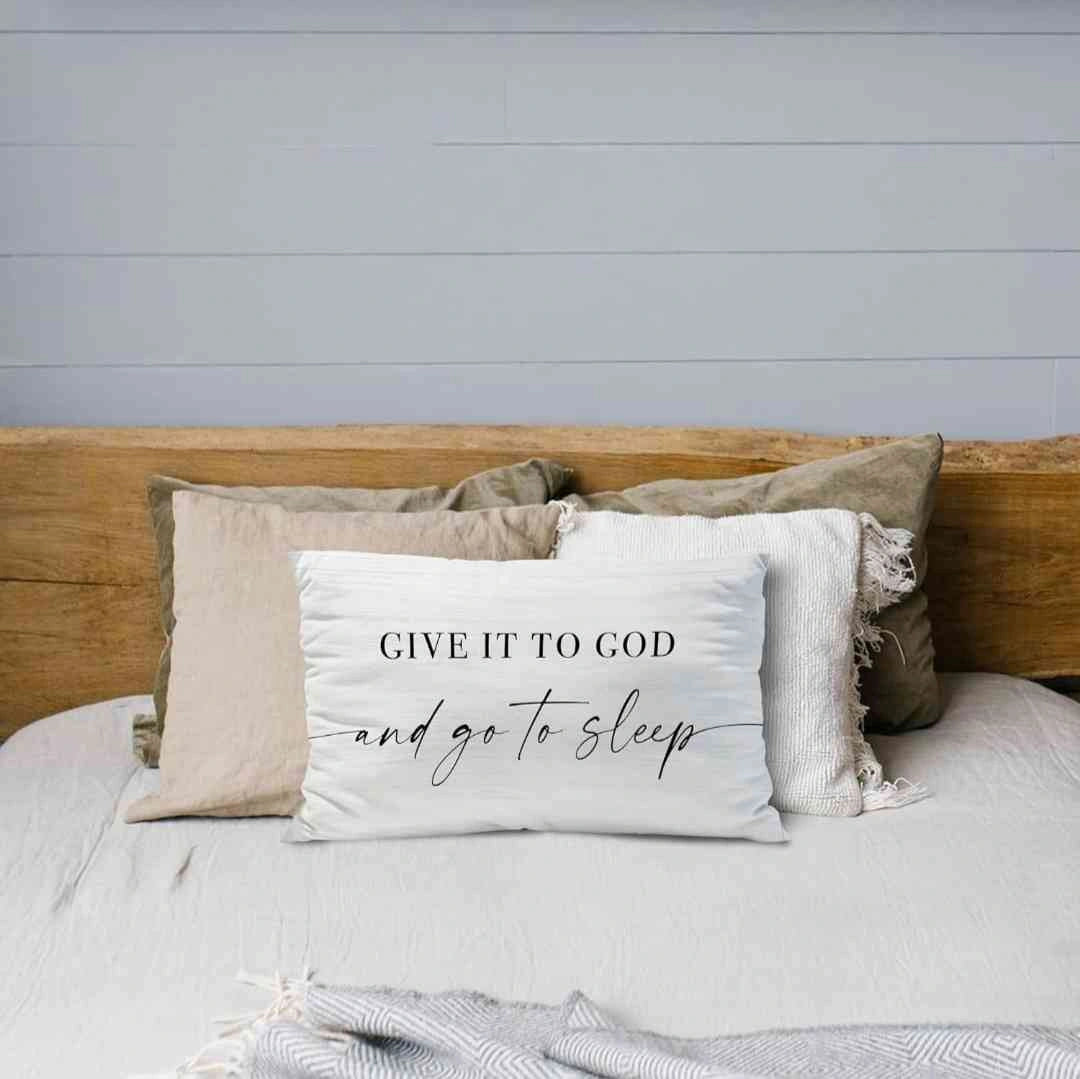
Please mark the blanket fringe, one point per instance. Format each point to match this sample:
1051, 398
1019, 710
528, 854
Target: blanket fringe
886, 575
229, 1056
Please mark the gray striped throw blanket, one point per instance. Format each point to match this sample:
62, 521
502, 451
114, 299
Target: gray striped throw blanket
336, 1032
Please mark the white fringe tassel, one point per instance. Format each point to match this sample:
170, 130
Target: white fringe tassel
567, 522
886, 575
229, 1056
893, 795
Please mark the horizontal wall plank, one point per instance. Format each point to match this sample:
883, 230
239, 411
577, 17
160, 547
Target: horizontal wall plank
538, 198
356, 89
792, 88
571, 309
961, 398
249, 88
1067, 396
913, 16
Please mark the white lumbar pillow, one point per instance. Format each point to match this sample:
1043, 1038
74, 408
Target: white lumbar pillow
829, 571
449, 696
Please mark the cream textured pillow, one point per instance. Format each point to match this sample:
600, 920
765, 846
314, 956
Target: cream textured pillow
450, 697
235, 743
829, 570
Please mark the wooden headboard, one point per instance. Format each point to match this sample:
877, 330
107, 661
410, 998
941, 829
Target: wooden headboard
78, 589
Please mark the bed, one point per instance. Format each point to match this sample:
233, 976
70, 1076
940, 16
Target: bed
120, 942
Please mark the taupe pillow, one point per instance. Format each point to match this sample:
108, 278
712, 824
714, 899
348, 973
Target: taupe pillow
236, 741
894, 482
528, 483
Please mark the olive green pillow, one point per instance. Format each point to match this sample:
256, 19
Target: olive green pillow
895, 482
527, 483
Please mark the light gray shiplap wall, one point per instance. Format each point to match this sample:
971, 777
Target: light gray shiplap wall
821, 215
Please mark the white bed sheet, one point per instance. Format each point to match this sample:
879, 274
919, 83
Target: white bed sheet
119, 943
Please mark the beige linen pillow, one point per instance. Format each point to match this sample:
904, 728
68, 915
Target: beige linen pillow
236, 742
527, 483
894, 483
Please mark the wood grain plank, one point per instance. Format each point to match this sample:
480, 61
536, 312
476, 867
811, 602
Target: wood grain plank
62, 645
1002, 581
547, 308
184, 200
730, 446
78, 606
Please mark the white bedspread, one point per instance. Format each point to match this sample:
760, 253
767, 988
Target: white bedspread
119, 943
